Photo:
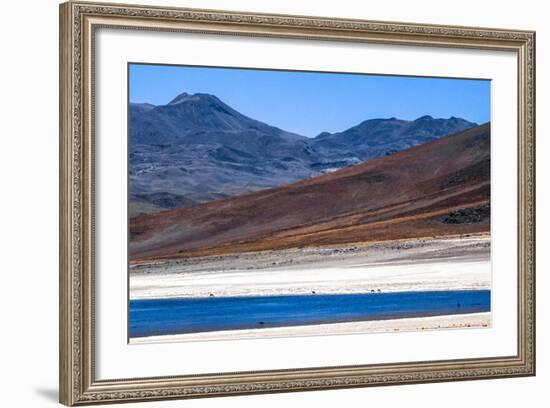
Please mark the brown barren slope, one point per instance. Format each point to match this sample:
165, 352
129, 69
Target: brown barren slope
438, 188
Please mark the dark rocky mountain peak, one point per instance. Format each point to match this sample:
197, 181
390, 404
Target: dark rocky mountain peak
200, 118
182, 97
195, 98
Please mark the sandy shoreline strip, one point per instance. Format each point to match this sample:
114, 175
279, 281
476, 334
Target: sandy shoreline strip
470, 320
423, 265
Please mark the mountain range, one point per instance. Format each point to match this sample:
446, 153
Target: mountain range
197, 149
436, 188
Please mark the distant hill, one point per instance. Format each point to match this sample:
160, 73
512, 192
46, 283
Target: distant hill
197, 149
379, 137
437, 188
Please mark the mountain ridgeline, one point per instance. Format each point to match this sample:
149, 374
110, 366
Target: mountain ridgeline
197, 149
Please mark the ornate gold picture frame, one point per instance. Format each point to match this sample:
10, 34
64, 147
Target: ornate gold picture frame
79, 22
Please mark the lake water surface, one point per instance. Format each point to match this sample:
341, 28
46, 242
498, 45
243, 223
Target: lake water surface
154, 317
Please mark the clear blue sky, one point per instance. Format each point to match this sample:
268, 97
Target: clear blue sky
309, 103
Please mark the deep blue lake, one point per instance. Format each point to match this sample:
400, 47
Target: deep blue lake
191, 315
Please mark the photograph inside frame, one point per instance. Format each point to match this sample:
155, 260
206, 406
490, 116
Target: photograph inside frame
281, 203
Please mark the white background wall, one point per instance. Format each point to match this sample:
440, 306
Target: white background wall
28, 204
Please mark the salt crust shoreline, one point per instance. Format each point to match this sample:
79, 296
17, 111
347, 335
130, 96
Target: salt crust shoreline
470, 320
423, 265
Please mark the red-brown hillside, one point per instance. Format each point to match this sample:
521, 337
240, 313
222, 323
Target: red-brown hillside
438, 188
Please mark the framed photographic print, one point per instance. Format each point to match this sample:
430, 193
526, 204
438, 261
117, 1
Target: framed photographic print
260, 203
